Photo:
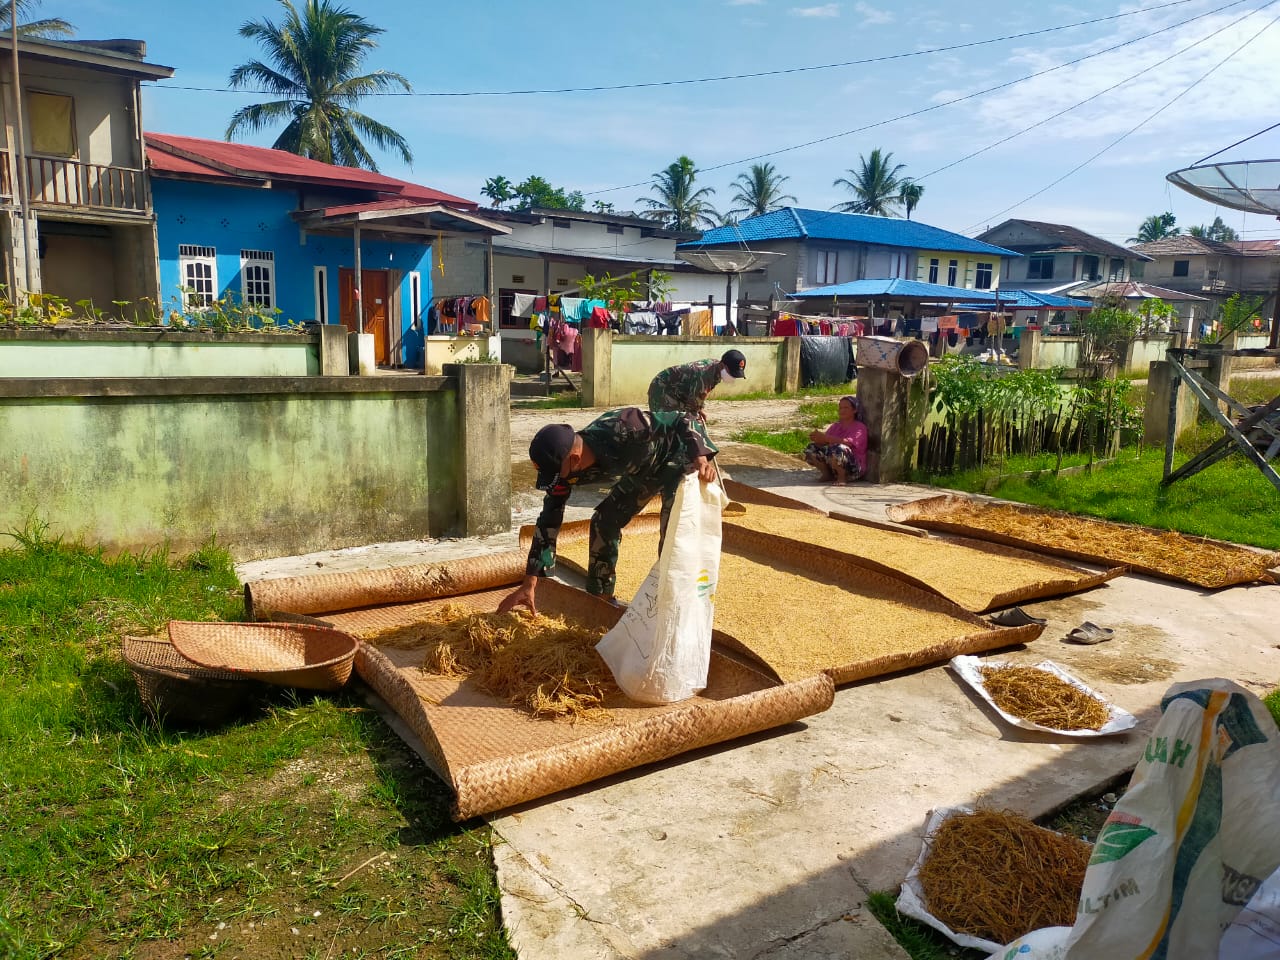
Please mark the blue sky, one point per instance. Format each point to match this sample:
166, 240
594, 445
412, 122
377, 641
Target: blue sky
602, 140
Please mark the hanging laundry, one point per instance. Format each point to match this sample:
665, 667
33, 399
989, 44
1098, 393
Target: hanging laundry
574, 308
600, 319
784, 326
522, 304
480, 308
540, 304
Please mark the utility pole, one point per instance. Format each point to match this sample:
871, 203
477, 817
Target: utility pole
20, 156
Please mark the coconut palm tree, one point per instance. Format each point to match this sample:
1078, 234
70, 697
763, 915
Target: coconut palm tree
909, 195
314, 55
678, 204
875, 185
1158, 226
47, 29
759, 191
499, 190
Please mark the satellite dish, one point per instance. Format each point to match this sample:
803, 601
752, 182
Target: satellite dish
1249, 185
728, 260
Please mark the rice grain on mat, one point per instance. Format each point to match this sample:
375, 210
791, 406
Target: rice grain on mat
546, 665
998, 876
1044, 698
968, 576
790, 618
1182, 557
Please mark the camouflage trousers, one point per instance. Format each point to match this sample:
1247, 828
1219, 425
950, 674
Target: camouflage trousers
627, 498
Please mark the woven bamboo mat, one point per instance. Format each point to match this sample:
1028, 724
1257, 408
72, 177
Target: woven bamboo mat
800, 612
325, 593
494, 755
1199, 561
977, 575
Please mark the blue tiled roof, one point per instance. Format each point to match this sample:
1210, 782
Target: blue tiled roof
897, 287
1031, 300
797, 223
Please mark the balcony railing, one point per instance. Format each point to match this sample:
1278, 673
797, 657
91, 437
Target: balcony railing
70, 183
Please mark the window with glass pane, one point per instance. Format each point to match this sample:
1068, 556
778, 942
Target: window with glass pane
1089, 268
933, 271
257, 278
1116, 271
198, 268
982, 277
953, 269
1181, 268
824, 266
1040, 268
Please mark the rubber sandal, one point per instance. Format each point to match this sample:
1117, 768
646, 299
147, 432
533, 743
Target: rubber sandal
1015, 617
1090, 633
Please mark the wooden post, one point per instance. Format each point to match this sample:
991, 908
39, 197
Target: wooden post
359, 283
1275, 320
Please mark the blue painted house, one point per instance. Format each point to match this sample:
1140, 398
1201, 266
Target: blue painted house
317, 242
823, 248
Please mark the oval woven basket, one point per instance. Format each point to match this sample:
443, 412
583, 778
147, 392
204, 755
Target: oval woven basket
175, 689
286, 654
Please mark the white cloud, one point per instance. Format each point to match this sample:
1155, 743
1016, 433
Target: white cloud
826, 10
872, 15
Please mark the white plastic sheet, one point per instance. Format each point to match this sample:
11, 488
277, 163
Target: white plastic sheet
969, 669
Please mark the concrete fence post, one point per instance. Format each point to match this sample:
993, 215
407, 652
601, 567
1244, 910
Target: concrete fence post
894, 409
484, 441
1029, 348
790, 362
1155, 418
597, 367
334, 359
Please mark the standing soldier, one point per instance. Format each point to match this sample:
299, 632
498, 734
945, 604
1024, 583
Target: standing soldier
649, 453
684, 388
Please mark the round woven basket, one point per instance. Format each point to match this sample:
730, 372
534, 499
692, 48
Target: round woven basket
174, 689
285, 654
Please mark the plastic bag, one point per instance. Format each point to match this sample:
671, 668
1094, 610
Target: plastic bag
660, 650
1188, 845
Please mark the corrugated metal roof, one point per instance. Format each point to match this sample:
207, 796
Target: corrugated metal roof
797, 223
1133, 290
897, 287
1034, 300
239, 159
1064, 239
1187, 245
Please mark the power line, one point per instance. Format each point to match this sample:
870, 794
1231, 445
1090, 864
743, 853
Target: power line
602, 88
1136, 128
1236, 144
937, 106
1081, 103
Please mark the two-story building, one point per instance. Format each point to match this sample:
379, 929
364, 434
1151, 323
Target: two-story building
74, 162
823, 248
1057, 258
1215, 270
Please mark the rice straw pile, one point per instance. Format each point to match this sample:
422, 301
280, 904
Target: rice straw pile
1173, 554
544, 664
1041, 697
996, 875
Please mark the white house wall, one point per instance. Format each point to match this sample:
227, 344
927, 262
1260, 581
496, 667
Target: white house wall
590, 239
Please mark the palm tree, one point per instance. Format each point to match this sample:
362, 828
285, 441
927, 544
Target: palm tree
759, 191
47, 29
499, 190
678, 204
1217, 230
1158, 226
909, 195
314, 58
875, 185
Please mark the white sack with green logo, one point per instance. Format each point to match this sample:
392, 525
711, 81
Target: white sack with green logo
660, 651
1188, 845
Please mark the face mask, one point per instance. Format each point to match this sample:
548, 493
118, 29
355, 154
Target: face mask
726, 377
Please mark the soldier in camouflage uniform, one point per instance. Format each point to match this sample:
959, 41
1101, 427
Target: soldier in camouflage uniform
685, 387
649, 453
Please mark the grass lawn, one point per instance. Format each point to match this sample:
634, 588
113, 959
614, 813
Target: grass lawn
306, 829
814, 415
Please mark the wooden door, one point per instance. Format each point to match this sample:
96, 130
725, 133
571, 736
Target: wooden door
376, 314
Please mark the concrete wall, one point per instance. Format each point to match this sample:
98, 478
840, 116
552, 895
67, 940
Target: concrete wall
617, 370
270, 466
1058, 352
37, 352
1144, 351
442, 350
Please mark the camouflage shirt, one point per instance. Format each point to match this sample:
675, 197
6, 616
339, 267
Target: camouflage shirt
685, 386
629, 441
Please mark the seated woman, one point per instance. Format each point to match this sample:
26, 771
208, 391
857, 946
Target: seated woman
840, 452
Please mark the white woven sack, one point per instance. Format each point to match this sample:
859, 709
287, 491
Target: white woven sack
660, 650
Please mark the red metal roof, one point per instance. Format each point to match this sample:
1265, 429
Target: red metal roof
195, 155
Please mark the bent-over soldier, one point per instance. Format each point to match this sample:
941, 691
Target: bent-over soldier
685, 386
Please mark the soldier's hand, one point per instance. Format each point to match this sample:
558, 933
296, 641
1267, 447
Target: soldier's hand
522, 596
706, 472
